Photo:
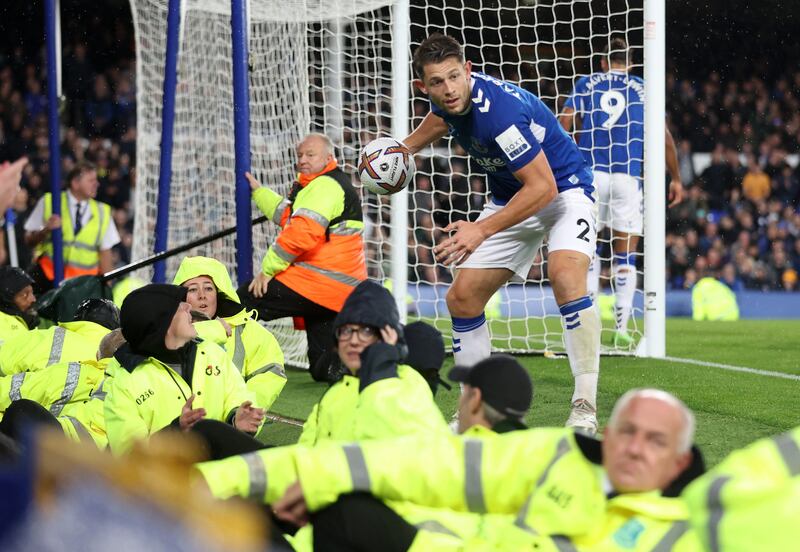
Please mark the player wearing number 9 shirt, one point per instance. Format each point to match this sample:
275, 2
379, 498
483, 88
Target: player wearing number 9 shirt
541, 187
608, 111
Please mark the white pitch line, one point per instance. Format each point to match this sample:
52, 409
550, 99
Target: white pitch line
732, 368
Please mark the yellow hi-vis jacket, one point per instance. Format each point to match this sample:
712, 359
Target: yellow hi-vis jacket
81, 252
713, 300
37, 349
150, 396
72, 391
11, 326
750, 501
251, 347
387, 408
538, 477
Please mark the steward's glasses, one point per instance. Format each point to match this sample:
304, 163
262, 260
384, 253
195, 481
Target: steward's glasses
365, 333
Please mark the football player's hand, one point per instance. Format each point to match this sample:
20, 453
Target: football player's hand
258, 287
675, 192
458, 247
254, 184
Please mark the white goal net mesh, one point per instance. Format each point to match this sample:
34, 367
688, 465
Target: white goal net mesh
326, 67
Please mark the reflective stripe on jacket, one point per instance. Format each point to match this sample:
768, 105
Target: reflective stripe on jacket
750, 501
319, 252
81, 252
37, 349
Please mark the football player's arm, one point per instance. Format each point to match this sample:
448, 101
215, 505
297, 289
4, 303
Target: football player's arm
538, 189
431, 128
569, 119
675, 184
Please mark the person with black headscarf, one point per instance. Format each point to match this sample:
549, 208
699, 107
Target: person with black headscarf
169, 377
17, 314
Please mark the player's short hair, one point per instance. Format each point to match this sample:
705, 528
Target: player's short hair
617, 51
686, 437
435, 49
78, 170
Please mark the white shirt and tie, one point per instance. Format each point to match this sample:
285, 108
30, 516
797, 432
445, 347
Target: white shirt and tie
80, 214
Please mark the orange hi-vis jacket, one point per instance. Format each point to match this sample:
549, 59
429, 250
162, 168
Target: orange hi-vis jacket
319, 252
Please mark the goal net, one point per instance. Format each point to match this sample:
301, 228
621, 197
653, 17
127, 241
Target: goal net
326, 66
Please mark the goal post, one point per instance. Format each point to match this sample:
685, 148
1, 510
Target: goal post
342, 67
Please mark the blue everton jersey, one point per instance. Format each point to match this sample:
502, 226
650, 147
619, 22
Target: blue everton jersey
505, 128
611, 109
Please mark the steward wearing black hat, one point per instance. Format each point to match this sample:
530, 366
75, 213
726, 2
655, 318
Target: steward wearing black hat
497, 395
389, 396
168, 376
17, 314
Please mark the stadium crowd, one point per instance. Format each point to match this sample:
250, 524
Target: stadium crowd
740, 222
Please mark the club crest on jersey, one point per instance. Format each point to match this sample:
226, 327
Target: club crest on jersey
478, 146
512, 142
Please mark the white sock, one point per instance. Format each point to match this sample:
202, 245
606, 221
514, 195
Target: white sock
582, 338
471, 342
624, 288
593, 277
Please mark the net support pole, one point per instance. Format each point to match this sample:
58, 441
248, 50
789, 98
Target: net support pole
53, 39
334, 70
167, 130
654, 165
400, 114
241, 133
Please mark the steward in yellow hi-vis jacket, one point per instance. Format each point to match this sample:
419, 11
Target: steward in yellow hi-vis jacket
318, 256
543, 489
251, 347
67, 342
750, 501
167, 377
17, 314
71, 393
380, 398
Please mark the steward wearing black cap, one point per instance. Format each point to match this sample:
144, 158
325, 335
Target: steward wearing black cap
390, 397
497, 395
17, 314
73, 341
168, 376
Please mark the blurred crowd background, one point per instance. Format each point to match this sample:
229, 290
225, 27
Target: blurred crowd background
737, 129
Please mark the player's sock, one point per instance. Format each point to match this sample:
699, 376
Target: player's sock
582, 339
593, 276
471, 341
624, 288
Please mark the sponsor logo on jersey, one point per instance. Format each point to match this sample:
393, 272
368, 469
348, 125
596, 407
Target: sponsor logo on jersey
490, 164
512, 142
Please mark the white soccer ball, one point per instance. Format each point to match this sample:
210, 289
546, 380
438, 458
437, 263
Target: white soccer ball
385, 166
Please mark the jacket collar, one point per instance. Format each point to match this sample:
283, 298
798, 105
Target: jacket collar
304, 179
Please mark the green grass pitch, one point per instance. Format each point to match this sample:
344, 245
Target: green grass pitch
733, 408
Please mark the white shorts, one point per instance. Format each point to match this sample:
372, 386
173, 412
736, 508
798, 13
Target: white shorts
619, 198
568, 222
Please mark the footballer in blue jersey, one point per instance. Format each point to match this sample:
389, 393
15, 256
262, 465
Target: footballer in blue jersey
607, 109
541, 188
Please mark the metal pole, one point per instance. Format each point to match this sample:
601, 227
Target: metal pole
400, 114
167, 130
654, 197
241, 129
52, 35
333, 83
